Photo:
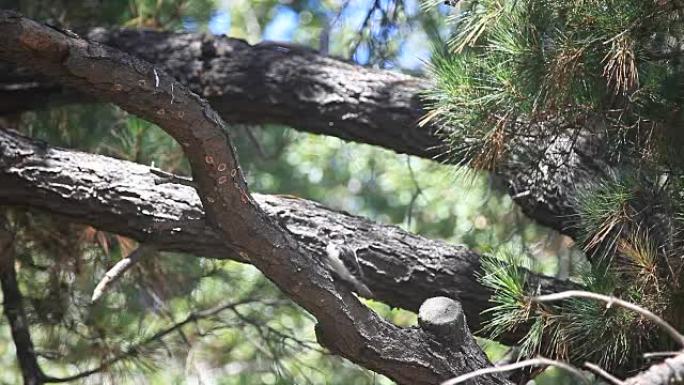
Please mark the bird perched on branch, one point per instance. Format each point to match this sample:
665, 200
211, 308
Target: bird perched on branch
344, 263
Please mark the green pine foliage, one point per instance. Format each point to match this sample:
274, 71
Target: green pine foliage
524, 71
506, 278
576, 330
535, 67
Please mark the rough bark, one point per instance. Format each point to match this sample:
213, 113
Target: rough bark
295, 86
265, 83
345, 326
669, 372
402, 269
12, 305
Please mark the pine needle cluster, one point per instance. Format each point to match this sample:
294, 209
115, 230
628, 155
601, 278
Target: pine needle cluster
519, 74
524, 70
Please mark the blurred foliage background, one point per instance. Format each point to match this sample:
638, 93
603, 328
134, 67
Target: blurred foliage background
253, 335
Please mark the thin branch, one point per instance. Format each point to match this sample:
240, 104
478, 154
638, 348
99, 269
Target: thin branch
610, 301
364, 25
309, 345
167, 177
660, 354
418, 191
255, 142
539, 361
599, 371
13, 308
135, 349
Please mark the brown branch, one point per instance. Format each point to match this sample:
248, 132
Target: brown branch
345, 326
295, 86
400, 268
14, 310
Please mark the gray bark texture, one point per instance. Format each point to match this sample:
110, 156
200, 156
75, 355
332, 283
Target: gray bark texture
668, 372
401, 269
297, 87
345, 326
284, 237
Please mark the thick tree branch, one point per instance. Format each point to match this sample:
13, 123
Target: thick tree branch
13, 308
264, 83
401, 269
671, 371
345, 326
295, 86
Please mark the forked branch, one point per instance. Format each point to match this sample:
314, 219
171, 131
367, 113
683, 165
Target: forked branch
345, 326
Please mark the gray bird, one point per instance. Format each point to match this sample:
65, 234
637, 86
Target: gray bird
343, 261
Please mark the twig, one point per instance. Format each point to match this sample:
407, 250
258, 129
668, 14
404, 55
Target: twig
118, 270
135, 349
310, 345
366, 20
609, 302
255, 142
167, 177
603, 374
539, 361
661, 354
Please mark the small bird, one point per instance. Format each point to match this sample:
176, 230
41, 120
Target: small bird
344, 262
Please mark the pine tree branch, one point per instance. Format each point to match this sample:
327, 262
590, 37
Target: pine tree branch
610, 301
402, 269
345, 325
155, 338
294, 86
